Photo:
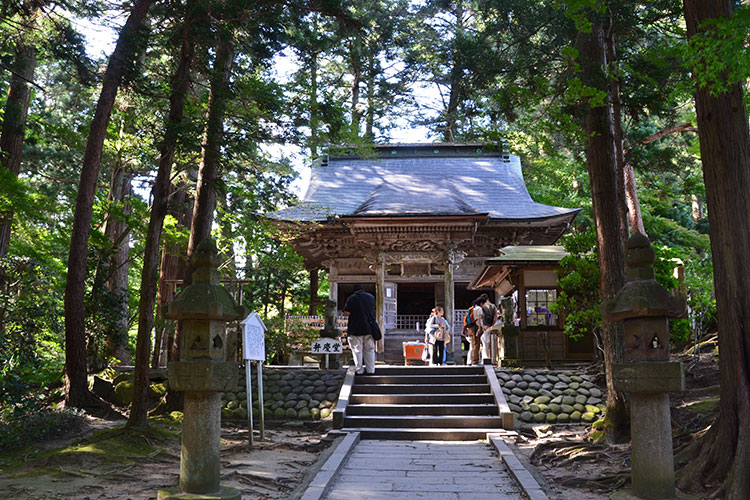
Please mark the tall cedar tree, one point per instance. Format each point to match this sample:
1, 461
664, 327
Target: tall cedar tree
14, 124
208, 174
725, 153
605, 194
77, 393
160, 194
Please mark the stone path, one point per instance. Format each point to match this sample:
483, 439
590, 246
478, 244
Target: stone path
438, 470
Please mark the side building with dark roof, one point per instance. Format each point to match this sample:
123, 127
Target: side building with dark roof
414, 224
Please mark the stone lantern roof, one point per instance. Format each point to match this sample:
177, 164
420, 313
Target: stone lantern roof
205, 298
642, 296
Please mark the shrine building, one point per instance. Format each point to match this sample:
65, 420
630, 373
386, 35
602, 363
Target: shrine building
415, 224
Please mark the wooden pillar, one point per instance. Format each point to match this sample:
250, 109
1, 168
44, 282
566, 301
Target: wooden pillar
333, 286
455, 345
313, 307
380, 298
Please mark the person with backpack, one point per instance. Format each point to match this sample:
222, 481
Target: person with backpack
474, 329
489, 317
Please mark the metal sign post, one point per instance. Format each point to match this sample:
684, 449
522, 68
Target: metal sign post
254, 349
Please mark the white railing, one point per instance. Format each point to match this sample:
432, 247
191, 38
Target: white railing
403, 321
458, 320
409, 321
315, 321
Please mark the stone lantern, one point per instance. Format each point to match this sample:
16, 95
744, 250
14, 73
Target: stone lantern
202, 308
644, 307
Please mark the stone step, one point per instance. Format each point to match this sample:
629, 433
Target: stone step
421, 409
362, 380
421, 389
429, 370
422, 399
422, 421
416, 434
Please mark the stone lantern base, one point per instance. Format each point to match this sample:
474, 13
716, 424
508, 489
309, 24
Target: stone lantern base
176, 494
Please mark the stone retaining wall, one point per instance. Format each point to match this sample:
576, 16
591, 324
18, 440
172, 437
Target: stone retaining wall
544, 396
289, 393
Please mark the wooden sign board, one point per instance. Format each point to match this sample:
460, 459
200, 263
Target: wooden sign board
326, 346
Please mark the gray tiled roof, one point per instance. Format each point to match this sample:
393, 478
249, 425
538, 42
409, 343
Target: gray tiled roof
402, 186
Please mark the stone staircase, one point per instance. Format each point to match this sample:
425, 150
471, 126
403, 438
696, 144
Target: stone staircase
449, 403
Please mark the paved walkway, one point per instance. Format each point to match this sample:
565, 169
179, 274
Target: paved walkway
438, 470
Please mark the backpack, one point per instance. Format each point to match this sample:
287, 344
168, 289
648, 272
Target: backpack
469, 318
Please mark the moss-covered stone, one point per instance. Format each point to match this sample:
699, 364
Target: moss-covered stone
124, 392
526, 416
567, 409
588, 417
325, 412
539, 417
304, 414
563, 418
593, 409
575, 416
554, 408
551, 418
533, 407
290, 413
315, 413
579, 407
542, 399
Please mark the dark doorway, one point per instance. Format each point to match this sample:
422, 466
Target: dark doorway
346, 289
415, 298
464, 297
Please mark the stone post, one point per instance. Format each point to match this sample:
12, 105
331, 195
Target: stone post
645, 307
203, 308
331, 331
508, 334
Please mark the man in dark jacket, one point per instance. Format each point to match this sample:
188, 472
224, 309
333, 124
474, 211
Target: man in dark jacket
360, 308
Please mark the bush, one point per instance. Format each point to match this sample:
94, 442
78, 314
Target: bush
31, 421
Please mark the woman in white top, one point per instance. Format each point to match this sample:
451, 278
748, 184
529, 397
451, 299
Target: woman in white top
437, 333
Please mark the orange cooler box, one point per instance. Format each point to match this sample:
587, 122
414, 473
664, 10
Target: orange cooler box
413, 351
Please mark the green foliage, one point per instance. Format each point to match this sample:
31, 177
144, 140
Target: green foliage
578, 278
719, 56
32, 421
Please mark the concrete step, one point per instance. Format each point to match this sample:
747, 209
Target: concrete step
422, 399
362, 380
429, 370
421, 409
421, 389
415, 434
422, 421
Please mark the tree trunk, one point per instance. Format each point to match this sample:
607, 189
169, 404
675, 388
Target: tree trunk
634, 205
173, 267
602, 167
14, 125
356, 68
205, 198
117, 232
160, 201
370, 119
456, 76
314, 118
725, 153
76, 387
619, 135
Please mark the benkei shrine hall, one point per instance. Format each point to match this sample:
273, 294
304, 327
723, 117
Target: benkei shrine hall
421, 225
